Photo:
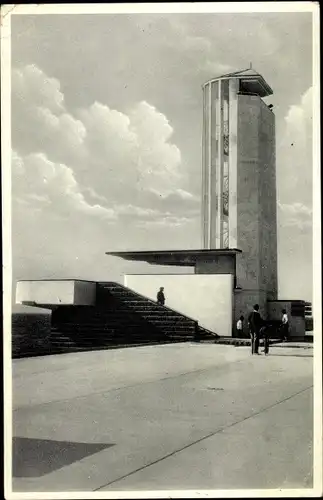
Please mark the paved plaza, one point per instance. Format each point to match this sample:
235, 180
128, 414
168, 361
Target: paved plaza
181, 416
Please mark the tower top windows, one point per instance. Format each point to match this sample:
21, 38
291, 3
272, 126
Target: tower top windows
251, 82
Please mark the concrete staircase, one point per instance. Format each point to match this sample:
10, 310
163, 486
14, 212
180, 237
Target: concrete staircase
120, 317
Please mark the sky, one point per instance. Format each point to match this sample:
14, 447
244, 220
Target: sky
107, 133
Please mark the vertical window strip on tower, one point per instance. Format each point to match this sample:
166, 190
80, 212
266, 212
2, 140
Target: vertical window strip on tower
226, 160
219, 168
204, 157
209, 170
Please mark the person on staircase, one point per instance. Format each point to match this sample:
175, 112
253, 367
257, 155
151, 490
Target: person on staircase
161, 296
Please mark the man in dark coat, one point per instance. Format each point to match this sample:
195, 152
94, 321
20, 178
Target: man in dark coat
255, 322
161, 296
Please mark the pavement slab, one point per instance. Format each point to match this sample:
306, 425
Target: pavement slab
176, 416
250, 453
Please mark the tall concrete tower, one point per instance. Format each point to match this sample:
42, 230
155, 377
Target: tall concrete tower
239, 181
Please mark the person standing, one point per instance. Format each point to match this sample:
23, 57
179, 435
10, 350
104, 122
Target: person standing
255, 323
265, 334
161, 296
284, 325
240, 327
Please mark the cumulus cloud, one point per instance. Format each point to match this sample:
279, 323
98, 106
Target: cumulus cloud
40, 121
166, 220
294, 153
296, 209
180, 202
301, 114
295, 214
158, 157
179, 194
131, 152
40, 183
33, 87
96, 160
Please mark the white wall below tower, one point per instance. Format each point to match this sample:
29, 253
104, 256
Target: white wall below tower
204, 297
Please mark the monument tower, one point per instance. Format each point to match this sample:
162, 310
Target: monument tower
239, 181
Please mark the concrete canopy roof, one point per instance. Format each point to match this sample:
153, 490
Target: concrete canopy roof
251, 81
174, 257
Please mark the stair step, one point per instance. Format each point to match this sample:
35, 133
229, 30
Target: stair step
104, 338
144, 323
118, 327
122, 315
125, 320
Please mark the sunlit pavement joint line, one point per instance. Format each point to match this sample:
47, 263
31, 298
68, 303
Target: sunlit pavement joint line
203, 438
124, 387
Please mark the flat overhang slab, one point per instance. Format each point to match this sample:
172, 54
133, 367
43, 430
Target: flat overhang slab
175, 257
258, 86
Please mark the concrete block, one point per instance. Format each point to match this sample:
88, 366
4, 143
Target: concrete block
55, 292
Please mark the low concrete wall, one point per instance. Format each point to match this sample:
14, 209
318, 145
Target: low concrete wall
206, 298
55, 292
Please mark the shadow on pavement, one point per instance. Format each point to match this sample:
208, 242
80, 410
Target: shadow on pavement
37, 457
